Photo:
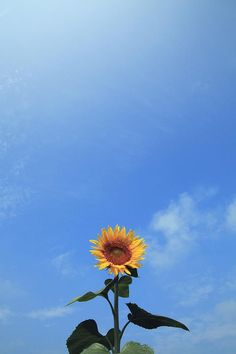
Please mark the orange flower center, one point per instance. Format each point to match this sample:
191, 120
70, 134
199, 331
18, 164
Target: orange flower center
117, 253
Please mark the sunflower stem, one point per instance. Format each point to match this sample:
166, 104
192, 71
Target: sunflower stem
111, 306
124, 328
116, 317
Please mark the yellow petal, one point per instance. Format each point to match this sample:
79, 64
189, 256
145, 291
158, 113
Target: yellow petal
134, 245
110, 233
103, 265
94, 241
127, 271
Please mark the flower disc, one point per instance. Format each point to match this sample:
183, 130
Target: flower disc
118, 250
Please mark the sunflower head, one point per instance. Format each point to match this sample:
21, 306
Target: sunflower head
118, 250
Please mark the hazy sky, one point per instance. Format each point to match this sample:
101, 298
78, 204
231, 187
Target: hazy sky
117, 112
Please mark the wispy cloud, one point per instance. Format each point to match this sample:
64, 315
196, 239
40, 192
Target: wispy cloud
231, 216
44, 314
192, 293
179, 225
230, 283
64, 265
9, 290
217, 324
194, 290
177, 228
214, 327
4, 12
5, 313
11, 200
12, 79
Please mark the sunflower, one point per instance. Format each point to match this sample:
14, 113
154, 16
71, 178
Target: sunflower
118, 250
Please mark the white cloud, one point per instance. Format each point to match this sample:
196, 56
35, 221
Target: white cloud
8, 289
5, 313
230, 283
183, 223
218, 324
2, 14
64, 265
207, 330
9, 80
44, 314
173, 225
193, 295
231, 216
199, 289
11, 200
226, 310
180, 224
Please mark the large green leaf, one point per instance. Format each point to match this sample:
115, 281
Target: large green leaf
123, 285
91, 295
86, 334
96, 349
136, 348
147, 320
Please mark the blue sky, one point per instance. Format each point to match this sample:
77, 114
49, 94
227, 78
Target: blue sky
117, 112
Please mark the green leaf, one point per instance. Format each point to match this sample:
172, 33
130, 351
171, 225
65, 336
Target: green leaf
96, 349
91, 295
133, 271
147, 320
85, 334
110, 336
136, 348
123, 285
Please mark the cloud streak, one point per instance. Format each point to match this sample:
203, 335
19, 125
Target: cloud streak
5, 313
176, 229
212, 328
11, 200
49, 313
64, 265
231, 216
9, 290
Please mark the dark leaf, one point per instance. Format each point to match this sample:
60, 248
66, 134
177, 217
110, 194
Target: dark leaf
133, 271
110, 336
85, 334
147, 320
123, 285
107, 281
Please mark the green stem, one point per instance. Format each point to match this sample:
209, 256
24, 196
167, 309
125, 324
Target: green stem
109, 302
116, 317
124, 328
